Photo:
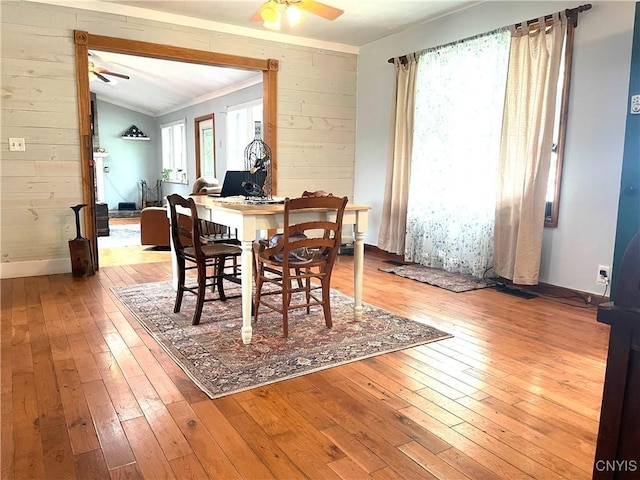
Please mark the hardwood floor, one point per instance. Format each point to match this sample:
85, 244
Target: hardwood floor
88, 394
134, 254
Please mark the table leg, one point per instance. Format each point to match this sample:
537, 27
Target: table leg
358, 273
247, 289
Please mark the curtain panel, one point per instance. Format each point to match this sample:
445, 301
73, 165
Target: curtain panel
459, 105
527, 136
391, 236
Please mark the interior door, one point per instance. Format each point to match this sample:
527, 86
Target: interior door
629, 201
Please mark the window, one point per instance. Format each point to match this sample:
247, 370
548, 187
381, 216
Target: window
205, 147
174, 152
241, 131
559, 132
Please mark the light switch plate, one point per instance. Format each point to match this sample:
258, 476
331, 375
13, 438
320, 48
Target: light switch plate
16, 145
635, 104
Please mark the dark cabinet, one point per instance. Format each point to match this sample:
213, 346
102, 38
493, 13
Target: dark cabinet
618, 449
102, 219
629, 201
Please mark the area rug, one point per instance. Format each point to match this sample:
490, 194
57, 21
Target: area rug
125, 235
454, 282
215, 358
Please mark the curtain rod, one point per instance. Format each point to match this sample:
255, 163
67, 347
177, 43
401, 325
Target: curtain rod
572, 19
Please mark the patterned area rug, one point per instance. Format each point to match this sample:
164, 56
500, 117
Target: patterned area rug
454, 282
213, 354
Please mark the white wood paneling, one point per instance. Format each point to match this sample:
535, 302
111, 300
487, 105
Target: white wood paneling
34, 118
321, 123
34, 17
12, 168
329, 111
316, 122
41, 151
24, 88
318, 98
302, 84
14, 186
326, 136
46, 136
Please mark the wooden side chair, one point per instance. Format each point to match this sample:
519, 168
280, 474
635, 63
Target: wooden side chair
305, 250
194, 252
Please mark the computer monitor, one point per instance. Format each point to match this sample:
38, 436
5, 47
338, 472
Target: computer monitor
233, 179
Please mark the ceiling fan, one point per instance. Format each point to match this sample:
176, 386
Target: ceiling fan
99, 72
272, 11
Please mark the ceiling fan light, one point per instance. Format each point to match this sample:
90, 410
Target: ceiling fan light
294, 15
273, 24
270, 13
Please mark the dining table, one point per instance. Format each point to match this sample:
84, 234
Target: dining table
253, 220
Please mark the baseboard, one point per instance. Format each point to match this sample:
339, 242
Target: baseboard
124, 213
378, 252
35, 268
556, 291
542, 289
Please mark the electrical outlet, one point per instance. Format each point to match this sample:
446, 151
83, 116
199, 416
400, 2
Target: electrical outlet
603, 275
16, 145
635, 104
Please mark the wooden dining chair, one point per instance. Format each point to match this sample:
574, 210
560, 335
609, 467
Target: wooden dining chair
193, 251
306, 250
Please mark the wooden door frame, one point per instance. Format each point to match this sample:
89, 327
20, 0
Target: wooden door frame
196, 128
85, 41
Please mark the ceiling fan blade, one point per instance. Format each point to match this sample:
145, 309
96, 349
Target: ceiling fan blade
120, 75
101, 77
257, 17
321, 9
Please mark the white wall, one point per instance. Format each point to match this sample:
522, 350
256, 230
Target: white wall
585, 236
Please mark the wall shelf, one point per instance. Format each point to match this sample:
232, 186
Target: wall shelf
134, 133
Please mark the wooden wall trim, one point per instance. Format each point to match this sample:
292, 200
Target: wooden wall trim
81, 40
270, 114
170, 52
85, 41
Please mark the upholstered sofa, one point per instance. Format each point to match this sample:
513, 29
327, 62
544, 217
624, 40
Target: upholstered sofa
154, 222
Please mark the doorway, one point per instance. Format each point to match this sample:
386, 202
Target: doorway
85, 41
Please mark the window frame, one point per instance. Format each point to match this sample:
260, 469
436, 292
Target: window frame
552, 208
178, 170
200, 170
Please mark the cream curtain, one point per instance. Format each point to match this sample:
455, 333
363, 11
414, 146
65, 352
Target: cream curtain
527, 132
456, 145
394, 209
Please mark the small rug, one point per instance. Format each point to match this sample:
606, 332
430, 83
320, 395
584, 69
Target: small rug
125, 235
454, 282
215, 358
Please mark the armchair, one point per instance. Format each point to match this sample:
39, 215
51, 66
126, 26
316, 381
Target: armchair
154, 222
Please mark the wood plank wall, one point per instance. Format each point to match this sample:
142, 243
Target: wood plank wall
316, 117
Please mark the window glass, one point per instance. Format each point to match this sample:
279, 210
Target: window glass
174, 152
241, 131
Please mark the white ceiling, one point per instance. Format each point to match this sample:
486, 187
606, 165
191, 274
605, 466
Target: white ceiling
158, 86
362, 22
